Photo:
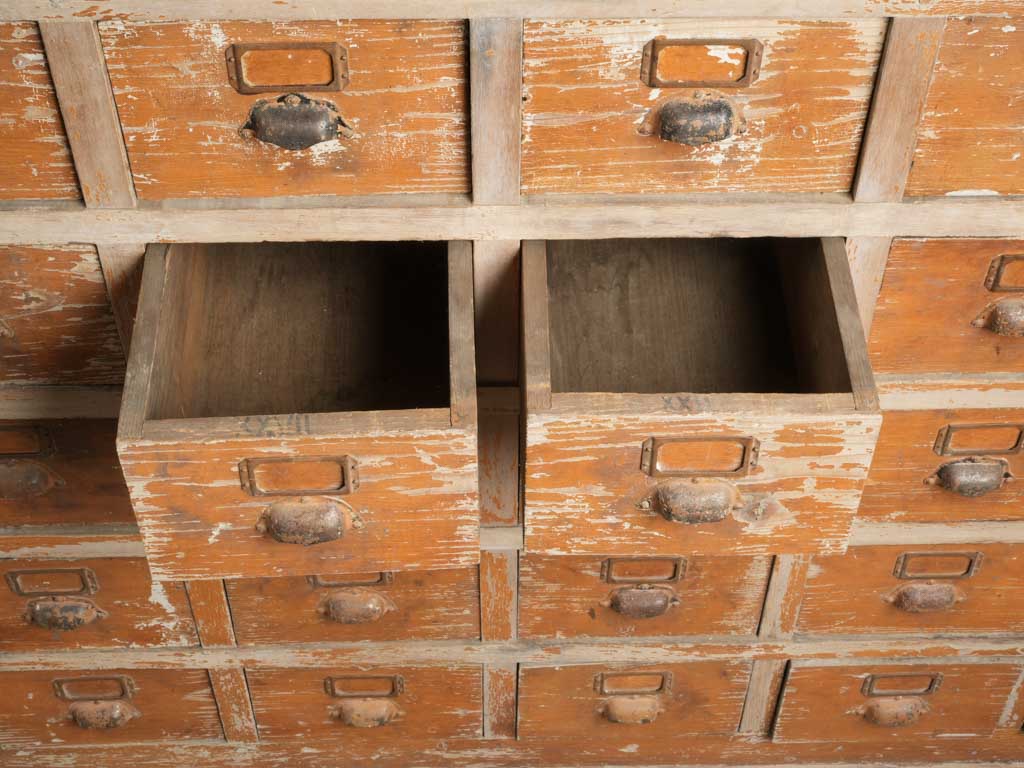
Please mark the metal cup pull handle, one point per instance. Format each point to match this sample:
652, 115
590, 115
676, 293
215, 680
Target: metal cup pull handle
1004, 317
356, 605
369, 712
305, 522
295, 122
972, 476
694, 500
631, 710
925, 597
643, 601
894, 712
63, 613
103, 714
703, 118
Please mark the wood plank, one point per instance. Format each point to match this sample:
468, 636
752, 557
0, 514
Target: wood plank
782, 602
867, 257
904, 75
496, 298
499, 595
496, 79
565, 218
501, 683
498, 450
59, 402
536, 333
462, 352
212, 614
234, 706
759, 707
870, 533
122, 271
79, 72
914, 393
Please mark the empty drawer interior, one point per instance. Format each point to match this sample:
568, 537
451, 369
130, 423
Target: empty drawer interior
693, 315
286, 328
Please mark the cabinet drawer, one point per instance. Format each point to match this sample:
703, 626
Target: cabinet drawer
647, 705
614, 106
357, 107
421, 605
947, 467
968, 140
893, 703
95, 707
95, 603
367, 705
950, 306
916, 589
61, 472
691, 396
35, 162
640, 596
295, 423
56, 325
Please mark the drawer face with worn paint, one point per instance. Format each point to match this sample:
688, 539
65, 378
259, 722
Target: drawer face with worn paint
695, 105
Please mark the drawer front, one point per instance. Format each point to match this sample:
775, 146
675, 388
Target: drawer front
56, 325
96, 707
916, 589
893, 703
647, 705
950, 306
35, 162
968, 141
367, 705
590, 489
61, 473
640, 596
422, 605
95, 603
397, 123
947, 467
787, 100
409, 503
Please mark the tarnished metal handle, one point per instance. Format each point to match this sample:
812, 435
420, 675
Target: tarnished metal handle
103, 714
1004, 317
925, 597
369, 712
631, 710
24, 478
294, 121
705, 117
971, 476
642, 601
63, 613
694, 500
305, 522
355, 605
894, 711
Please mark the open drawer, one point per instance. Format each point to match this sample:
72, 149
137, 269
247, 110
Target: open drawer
303, 408
691, 396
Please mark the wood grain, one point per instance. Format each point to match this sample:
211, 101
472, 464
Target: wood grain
122, 272
905, 457
234, 705
211, 611
566, 597
56, 325
867, 256
916, 332
500, 699
852, 594
496, 76
499, 446
499, 595
34, 159
140, 613
406, 102
968, 142
585, 108
429, 605
904, 75
79, 73
496, 298
175, 705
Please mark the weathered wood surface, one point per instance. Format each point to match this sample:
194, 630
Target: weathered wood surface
968, 141
234, 706
211, 612
426, 605
499, 446
406, 103
583, 483
56, 324
968, 701
35, 162
854, 593
499, 595
905, 458
174, 705
587, 115
501, 691
438, 701
140, 612
932, 292
566, 597
867, 257
496, 77
82, 482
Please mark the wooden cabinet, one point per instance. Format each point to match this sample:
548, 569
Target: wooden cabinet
335, 434
267, 110
654, 420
